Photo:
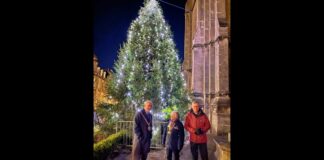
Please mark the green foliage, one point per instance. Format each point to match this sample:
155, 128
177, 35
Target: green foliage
96, 129
182, 110
105, 147
108, 114
98, 136
148, 66
167, 111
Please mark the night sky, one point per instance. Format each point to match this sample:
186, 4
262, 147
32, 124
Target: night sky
112, 19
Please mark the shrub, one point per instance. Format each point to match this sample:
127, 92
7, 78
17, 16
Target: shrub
106, 146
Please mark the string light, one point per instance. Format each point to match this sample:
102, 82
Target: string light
129, 94
141, 34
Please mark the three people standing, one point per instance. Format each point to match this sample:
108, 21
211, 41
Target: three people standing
196, 123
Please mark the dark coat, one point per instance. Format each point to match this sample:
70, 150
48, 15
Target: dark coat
175, 139
141, 130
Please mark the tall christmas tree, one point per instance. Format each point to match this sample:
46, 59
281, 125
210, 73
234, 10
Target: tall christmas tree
148, 67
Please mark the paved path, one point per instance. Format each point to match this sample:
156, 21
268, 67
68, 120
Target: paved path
185, 153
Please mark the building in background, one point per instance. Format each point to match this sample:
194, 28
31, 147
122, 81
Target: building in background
100, 78
206, 65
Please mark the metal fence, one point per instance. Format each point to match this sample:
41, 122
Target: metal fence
158, 128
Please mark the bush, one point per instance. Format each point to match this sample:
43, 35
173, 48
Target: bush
107, 114
98, 136
105, 147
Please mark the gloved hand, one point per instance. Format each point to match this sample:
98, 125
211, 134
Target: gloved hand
198, 131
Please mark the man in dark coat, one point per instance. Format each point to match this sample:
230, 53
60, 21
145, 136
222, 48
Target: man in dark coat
143, 132
175, 136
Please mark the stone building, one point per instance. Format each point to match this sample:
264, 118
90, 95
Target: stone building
99, 84
206, 64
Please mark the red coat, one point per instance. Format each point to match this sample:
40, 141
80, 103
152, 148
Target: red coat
194, 121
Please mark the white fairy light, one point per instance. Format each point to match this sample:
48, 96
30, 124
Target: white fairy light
129, 94
151, 7
130, 35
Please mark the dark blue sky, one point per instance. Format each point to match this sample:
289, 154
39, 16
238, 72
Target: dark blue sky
113, 17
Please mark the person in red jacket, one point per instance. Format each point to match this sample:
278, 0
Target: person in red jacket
197, 124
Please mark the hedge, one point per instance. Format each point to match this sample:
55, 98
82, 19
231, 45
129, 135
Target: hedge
106, 146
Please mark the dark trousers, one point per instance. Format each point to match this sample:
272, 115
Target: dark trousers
143, 156
175, 153
202, 148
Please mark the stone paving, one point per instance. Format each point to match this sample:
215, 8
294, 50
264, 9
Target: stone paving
185, 153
